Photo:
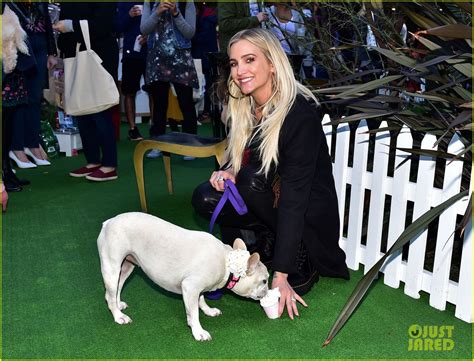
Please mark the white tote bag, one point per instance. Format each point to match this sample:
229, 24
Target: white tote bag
88, 87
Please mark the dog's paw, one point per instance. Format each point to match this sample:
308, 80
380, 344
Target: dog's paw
122, 306
201, 335
212, 312
122, 319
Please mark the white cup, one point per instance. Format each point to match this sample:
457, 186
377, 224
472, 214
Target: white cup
272, 310
137, 46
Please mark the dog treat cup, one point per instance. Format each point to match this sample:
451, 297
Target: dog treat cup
270, 303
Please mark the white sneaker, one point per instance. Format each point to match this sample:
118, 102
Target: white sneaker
188, 157
154, 154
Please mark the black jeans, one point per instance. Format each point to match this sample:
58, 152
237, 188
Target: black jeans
159, 92
257, 192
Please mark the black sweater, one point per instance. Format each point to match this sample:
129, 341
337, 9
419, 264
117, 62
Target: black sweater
101, 19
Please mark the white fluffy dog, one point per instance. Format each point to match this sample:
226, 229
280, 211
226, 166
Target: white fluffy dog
13, 40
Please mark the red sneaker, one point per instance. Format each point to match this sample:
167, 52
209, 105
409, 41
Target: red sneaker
84, 171
100, 176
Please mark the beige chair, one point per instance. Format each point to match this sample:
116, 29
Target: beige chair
176, 143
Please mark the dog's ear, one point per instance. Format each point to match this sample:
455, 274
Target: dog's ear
252, 263
239, 244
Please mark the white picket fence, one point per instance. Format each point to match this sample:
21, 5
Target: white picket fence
424, 196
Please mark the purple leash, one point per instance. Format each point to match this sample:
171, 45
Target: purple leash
231, 194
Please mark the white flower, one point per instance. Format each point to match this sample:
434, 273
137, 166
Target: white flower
237, 262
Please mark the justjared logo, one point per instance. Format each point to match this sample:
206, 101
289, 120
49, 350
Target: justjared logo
430, 338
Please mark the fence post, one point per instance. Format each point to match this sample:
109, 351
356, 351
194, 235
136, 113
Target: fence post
377, 198
396, 226
464, 288
447, 225
423, 194
340, 169
356, 206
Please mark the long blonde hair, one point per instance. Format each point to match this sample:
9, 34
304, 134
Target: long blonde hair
240, 117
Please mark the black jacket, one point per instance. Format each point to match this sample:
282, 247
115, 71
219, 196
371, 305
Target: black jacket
101, 18
307, 207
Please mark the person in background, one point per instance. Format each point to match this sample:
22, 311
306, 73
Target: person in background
170, 27
26, 123
278, 158
287, 24
96, 130
17, 60
234, 16
129, 16
204, 42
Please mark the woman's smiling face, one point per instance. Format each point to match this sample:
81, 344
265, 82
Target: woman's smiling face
251, 71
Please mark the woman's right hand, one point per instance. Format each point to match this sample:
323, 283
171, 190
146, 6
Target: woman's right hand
217, 179
164, 6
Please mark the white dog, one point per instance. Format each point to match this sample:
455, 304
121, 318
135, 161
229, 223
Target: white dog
13, 40
179, 260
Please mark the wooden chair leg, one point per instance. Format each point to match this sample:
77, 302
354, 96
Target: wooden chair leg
169, 177
140, 150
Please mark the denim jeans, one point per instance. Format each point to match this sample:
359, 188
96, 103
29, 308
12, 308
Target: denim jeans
98, 134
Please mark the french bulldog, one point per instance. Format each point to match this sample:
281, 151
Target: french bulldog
179, 260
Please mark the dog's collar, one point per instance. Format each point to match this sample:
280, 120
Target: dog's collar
232, 281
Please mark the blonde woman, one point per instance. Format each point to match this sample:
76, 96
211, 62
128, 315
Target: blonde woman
278, 158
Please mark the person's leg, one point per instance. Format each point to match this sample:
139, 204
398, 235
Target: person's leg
106, 137
9, 178
17, 144
90, 140
207, 96
159, 93
131, 74
261, 218
186, 103
35, 84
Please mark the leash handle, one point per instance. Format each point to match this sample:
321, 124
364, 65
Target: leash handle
231, 194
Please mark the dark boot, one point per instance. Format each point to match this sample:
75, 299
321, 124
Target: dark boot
10, 184
307, 275
9, 176
266, 242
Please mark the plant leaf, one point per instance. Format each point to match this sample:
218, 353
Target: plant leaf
453, 31
368, 86
431, 153
398, 58
426, 96
434, 61
461, 118
378, 130
467, 216
361, 288
359, 116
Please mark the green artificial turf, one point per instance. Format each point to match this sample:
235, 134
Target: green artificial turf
53, 297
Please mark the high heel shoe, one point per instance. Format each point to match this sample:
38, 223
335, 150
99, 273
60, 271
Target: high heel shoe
38, 161
4, 199
19, 163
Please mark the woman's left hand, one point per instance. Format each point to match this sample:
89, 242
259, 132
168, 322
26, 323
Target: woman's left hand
288, 297
218, 178
51, 62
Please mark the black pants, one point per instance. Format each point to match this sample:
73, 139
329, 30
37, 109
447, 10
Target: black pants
261, 218
159, 93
